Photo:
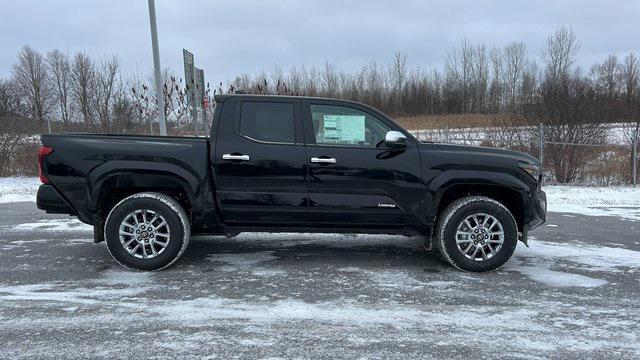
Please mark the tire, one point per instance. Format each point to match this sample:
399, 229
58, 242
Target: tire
160, 244
489, 256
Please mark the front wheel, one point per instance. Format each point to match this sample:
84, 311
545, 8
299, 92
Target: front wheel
477, 233
147, 231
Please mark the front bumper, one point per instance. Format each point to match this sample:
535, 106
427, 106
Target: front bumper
49, 200
537, 214
539, 211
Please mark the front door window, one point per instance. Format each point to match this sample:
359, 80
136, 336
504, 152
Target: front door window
345, 126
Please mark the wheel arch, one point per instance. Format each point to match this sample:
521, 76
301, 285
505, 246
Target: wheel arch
109, 185
504, 188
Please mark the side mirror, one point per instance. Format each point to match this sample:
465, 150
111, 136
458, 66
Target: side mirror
395, 139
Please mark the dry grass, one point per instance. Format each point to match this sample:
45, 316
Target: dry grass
452, 121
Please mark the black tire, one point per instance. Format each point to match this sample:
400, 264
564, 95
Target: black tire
177, 223
453, 216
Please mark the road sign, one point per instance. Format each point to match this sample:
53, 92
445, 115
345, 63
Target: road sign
189, 76
199, 89
194, 90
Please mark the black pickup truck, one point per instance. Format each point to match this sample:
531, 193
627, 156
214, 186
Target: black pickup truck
292, 164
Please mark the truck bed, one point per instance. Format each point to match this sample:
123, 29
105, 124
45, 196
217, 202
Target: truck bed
80, 163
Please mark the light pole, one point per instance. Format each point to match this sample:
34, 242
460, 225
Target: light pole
156, 65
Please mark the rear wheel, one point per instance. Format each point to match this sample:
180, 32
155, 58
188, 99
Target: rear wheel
477, 233
147, 231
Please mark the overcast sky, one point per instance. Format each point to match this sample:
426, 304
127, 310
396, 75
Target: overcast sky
231, 37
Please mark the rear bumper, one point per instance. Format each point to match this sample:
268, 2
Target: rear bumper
51, 201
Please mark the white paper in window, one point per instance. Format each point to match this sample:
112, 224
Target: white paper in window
344, 129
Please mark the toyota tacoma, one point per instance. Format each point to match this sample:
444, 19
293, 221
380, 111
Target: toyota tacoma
291, 164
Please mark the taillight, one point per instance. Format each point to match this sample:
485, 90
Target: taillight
42, 152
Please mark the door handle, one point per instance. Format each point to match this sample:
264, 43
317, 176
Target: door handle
323, 160
235, 157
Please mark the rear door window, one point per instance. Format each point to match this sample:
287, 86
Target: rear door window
268, 121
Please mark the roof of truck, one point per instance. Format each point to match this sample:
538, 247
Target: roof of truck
222, 97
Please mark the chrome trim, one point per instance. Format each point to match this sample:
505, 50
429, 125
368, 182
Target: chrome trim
395, 138
235, 157
323, 160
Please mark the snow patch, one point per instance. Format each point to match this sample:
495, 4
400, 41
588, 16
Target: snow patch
619, 201
243, 260
209, 308
268, 272
395, 279
52, 225
589, 257
57, 293
18, 189
124, 277
543, 274
441, 284
592, 196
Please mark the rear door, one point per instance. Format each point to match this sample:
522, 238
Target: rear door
355, 180
260, 162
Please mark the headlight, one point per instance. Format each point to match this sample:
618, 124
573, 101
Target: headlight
531, 169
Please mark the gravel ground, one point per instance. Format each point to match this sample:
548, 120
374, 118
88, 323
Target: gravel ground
573, 294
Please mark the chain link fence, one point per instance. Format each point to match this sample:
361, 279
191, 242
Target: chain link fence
20, 137
611, 161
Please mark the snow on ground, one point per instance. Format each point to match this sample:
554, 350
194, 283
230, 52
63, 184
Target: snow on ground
572, 294
52, 225
15, 189
558, 195
619, 201
581, 256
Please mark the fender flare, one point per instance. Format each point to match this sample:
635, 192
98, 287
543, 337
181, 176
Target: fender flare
450, 178
191, 184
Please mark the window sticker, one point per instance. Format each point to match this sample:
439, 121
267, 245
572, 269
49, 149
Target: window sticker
343, 129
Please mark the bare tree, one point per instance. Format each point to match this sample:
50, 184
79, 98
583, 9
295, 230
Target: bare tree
465, 57
606, 77
515, 59
82, 76
530, 85
374, 84
60, 70
479, 78
10, 103
560, 52
496, 88
31, 79
398, 76
630, 74
143, 103
175, 98
106, 84
329, 80
630, 83
295, 80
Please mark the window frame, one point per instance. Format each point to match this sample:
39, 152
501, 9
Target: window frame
310, 135
298, 138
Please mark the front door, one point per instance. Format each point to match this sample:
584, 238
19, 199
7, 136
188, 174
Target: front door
355, 180
260, 162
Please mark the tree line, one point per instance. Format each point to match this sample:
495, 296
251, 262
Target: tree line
475, 79
77, 92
